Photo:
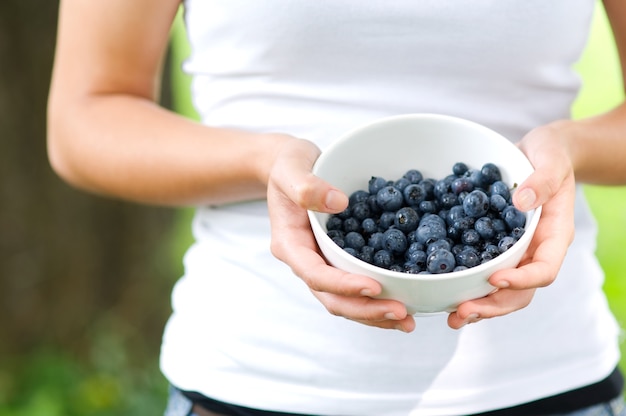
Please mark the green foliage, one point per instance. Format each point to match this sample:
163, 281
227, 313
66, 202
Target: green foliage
51, 382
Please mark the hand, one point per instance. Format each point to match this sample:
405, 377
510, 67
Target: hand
553, 186
291, 190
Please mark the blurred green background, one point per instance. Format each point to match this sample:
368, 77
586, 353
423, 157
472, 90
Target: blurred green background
85, 281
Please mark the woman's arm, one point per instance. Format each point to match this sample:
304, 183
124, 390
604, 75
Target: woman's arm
564, 152
107, 135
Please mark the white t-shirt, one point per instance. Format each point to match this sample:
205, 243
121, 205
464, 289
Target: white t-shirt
245, 330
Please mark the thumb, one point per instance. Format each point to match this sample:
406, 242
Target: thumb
293, 178
537, 189
314, 193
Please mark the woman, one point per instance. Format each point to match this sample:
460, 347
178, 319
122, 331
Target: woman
275, 82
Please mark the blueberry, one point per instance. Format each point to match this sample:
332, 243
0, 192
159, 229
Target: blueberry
476, 204
351, 251
386, 220
411, 268
346, 213
477, 179
448, 200
442, 187
462, 184
438, 244
500, 188
369, 226
334, 223
429, 186
490, 173
454, 214
517, 232
375, 184
366, 254
440, 261
401, 183
484, 227
394, 240
470, 237
428, 207
358, 196
506, 243
389, 198
376, 241
406, 219
497, 202
431, 228
468, 258
351, 224
513, 217
416, 256
383, 258
414, 194
413, 175
361, 210
354, 240
459, 168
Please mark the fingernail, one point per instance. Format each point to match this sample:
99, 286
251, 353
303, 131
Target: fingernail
335, 200
471, 318
502, 284
391, 315
367, 292
526, 199
401, 328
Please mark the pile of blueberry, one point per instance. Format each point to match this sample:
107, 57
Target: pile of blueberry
422, 225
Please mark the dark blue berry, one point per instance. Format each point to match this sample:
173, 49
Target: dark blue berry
375, 184
383, 258
354, 240
406, 219
459, 168
440, 261
414, 176
462, 184
476, 204
497, 202
468, 258
490, 173
376, 241
513, 217
334, 223
369, 226
351, 224
506, 243
389, 198
361, 210
358, 196
484, 227
394, 240
500, 188
414, 194
431, 228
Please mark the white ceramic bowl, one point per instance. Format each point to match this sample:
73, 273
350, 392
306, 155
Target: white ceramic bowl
431, 143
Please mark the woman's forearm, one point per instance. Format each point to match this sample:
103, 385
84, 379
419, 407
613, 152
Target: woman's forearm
597, 146
128, 147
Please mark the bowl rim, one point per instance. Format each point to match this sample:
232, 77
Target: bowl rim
532, 216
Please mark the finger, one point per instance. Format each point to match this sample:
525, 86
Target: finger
498, 303
293, 174
548, 178
542, 261
381, 313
